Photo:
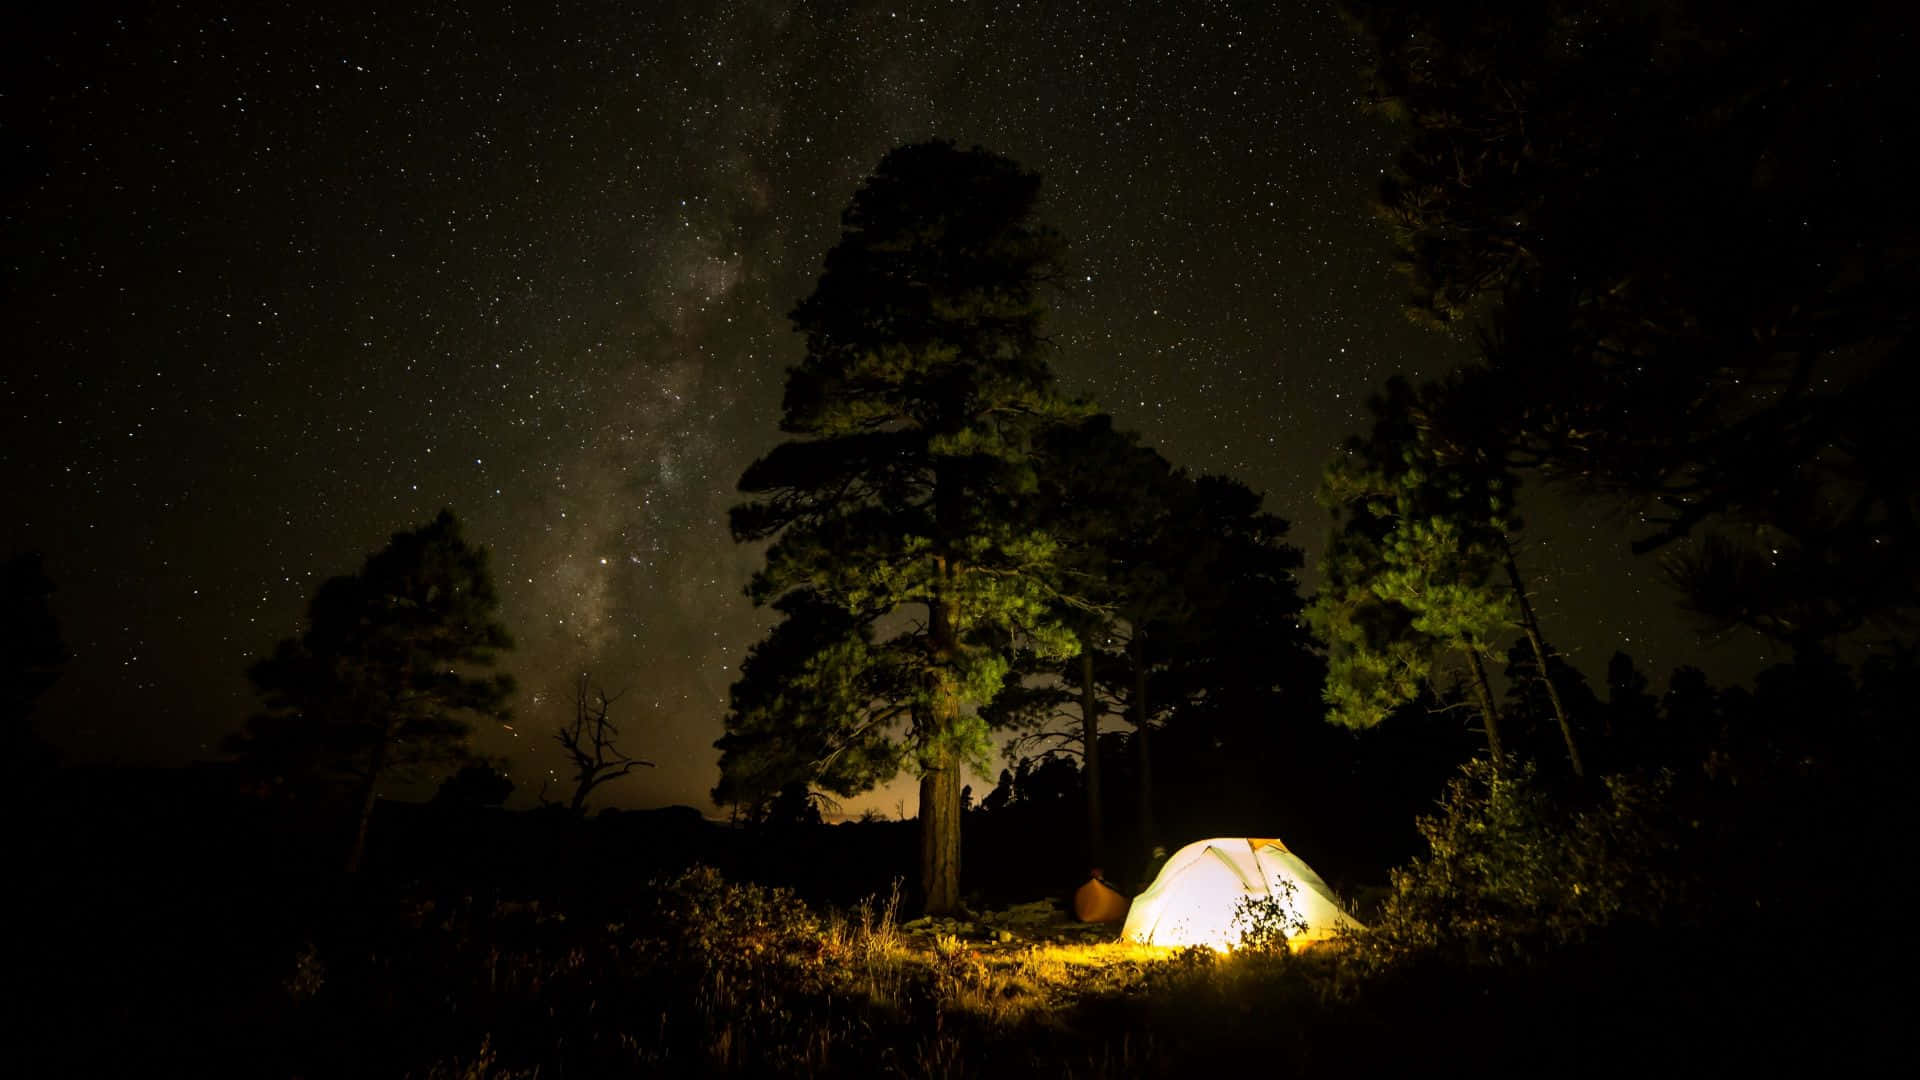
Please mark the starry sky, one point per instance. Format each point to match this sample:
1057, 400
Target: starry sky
283, 281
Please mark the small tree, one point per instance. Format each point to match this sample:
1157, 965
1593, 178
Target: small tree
1406, 577
1424, 564
381, 683
589, 743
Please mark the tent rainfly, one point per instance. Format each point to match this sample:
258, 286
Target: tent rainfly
1194, 899
1097, 902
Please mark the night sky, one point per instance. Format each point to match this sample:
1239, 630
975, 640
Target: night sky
279, 284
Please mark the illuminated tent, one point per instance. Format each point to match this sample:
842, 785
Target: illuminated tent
1197, 893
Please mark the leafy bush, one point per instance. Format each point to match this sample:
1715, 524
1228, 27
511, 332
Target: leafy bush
702, 921
1266, 923
1511, 871
754, 963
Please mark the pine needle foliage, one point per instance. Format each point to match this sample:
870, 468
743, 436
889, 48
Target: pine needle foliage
1412, 568
901, 549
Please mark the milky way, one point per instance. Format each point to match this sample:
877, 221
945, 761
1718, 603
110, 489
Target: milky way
283, 283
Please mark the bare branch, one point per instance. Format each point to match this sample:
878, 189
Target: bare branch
589, 741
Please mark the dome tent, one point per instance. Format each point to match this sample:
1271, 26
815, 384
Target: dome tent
1197, 893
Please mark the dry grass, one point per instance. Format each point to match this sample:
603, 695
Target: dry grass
740, 980
874, 954
998, 983
1031, 982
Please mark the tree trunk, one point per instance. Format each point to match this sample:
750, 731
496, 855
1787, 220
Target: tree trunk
940, 780
1532, 626
1090, 740
940, 835
367, 799
1488, 713
1137, 647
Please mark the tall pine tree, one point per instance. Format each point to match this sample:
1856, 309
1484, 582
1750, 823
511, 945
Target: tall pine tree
898, 503
1185, 592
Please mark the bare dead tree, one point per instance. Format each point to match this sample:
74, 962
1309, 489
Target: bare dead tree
589, 741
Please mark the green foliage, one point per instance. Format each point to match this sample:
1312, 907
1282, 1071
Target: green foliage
1111, 503
1413, 570
1377, 660
916, 407
380, 681
1186, 575
813, 703
1266, 923
1511, 872
1727, 350
734, 940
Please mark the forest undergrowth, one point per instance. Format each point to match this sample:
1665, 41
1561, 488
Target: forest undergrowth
1531, 927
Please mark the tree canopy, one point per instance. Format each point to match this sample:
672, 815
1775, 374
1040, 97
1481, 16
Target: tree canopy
1670, 224
1423, 565
1186, 593
899, 552
1410, 569
383, 680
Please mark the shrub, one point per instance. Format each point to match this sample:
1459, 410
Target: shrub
1511, 871
1266, 923
753, 965
703, 921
